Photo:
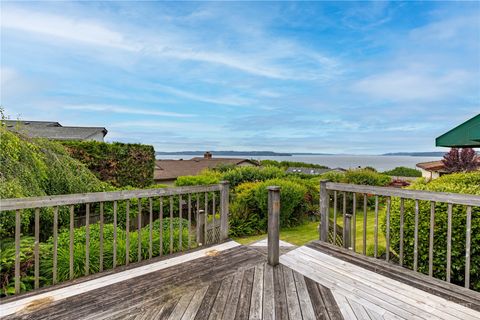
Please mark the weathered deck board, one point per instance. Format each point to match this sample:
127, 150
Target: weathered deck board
236, 283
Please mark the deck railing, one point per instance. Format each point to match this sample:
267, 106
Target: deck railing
407, 202
205, 207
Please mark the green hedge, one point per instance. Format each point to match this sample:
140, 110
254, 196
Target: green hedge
252, 174
457, 183
119, 164
403, 172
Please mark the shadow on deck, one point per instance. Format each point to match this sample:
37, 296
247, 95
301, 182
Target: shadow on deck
230, 281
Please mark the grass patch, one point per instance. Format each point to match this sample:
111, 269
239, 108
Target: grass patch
307, 232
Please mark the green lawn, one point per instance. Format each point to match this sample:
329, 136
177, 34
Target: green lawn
306, 232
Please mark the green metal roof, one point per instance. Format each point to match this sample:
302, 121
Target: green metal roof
466, 135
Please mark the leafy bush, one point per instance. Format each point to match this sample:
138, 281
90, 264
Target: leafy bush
403, 172
249, 209
457, 183
252, 174
120, 164
39, 167
206, 177
366, 177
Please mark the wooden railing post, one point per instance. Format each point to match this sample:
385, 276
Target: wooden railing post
323, 229
347, 229
224, 194
273, 225
201, 227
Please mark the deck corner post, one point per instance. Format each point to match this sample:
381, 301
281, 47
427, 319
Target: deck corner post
224, 201
323, 229
348, 231
273, 225
201, 227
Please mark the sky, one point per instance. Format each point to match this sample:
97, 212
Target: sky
330, 77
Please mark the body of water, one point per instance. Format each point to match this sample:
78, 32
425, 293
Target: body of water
381, 163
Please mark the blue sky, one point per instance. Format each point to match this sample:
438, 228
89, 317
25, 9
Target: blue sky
336, 77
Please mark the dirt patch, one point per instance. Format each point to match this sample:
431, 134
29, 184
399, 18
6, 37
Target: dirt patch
38, 304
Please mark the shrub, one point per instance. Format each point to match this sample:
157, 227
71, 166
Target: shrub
120, 164
366, 177
252, 174
457, 183
39, 167
205, 177
249, 210
403, 172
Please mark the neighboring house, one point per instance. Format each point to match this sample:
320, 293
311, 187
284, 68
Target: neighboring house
167, 171
55, 131
312, 171
432, 169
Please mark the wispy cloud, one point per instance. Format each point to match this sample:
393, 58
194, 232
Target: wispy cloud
128, 110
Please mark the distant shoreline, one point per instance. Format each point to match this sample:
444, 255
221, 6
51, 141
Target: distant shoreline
287, 154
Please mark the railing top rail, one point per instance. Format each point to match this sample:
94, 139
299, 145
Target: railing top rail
80, 198
453, 198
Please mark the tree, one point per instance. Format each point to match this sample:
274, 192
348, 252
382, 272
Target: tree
460, 160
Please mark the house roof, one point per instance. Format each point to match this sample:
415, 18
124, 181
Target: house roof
53, 130
305, 170
432, 165
172, 169
465, 135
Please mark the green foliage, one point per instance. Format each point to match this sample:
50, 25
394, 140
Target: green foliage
249, 208
366, 177
206, 177
403, 172
457, 183
119, 164
287, 164
7, 252
252, 174
39, 167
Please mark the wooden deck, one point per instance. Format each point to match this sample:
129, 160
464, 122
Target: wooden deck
230, 281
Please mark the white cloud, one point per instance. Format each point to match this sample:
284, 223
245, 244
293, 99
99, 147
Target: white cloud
126, 110
411, 84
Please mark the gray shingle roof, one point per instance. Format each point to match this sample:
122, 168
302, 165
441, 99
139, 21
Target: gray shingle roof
53, 130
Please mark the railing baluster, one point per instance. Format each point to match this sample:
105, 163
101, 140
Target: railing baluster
197, 219
161, 226
402, 217
364, 224
354, 224
449, 241
37, 249
415, 238
467, 247
214, 229
189, 219
224, 201
115, 204
87, 238
375, 229
344, 217
206, 219
171, 224
17, 250
430, 244
127, 232
335, 217
139, 231
180, 245
150, 229
101, 237
71, 242
55, 243
387, 233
